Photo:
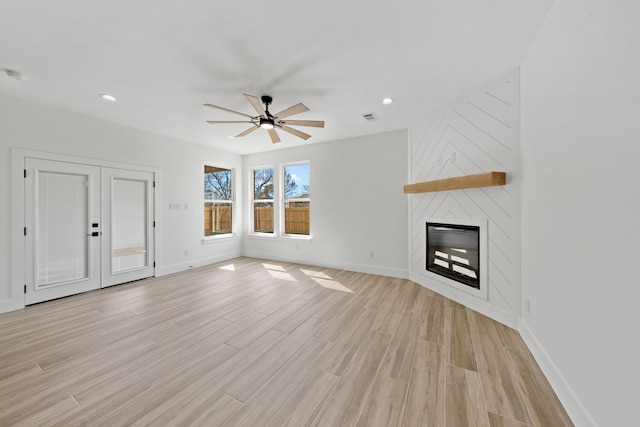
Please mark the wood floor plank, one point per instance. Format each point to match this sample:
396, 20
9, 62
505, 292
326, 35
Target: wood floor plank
43, 417
542, 403
246, 337
501, 392
425, 400
496, 420
385, 403
264, 404
344, 405
432, 327
339, 321
100, 404
301, 315
206, 410
304, 402
204, 376
248, 382
256, 342
402, 349
352, 337
461, 352
464, 405
180, 358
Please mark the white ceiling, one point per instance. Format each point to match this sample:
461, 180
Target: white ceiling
163, 59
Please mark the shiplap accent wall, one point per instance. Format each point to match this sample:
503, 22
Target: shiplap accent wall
478, 134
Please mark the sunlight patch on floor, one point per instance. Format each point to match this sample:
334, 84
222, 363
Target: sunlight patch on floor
229, 267
278, 272
273, 267
312, 273
331, 284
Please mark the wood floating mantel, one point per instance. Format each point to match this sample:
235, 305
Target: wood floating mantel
486, 179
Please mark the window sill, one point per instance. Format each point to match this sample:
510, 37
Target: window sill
285, 237
219, 238
261, 236
296, 237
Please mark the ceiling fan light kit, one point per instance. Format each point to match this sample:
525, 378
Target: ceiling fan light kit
268, 121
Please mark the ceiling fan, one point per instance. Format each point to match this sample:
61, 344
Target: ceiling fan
269, 121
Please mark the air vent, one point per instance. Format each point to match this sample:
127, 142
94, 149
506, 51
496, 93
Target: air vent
370, 117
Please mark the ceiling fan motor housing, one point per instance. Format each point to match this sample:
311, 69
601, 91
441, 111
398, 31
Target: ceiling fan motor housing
266, 99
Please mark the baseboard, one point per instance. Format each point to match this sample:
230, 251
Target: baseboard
8, 305
176, 268
480, 305
359, 268
563, 390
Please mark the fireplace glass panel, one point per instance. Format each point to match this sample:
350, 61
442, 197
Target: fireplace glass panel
453, 252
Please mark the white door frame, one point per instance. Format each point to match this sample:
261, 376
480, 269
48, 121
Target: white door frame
16, 300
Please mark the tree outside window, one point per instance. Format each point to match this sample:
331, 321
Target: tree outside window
218, 201
263, 200
296, 199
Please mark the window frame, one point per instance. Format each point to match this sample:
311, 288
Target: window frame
282, 201
230, 202
253, 201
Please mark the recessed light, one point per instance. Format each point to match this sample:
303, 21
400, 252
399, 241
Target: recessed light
107, 97
231, 136
15, 75
387, 101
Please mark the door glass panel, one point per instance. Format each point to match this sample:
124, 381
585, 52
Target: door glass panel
61, 228
129, 225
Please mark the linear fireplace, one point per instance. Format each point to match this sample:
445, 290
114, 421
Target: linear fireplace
456, 253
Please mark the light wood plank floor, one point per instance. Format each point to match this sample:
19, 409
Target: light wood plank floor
251, 342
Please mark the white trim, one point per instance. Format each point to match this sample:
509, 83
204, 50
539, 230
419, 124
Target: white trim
219, 238
259, 236
176, 268
481, 223
359, 268
572, 404
296, 237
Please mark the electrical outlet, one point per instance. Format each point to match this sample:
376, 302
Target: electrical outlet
371, 255
186, 252
452, 157
528, 306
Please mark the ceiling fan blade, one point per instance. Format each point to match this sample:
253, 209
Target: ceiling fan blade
296, 132
246, 132
295, 109
217, 122
226, 109
255, 103
274, 136
312, 123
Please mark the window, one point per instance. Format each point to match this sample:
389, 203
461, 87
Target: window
296, 198
218, 201
263, 200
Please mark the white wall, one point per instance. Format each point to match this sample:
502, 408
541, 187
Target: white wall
357, 205
581, 205
480, 133
32, 127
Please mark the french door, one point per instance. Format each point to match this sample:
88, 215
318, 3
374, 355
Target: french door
127, 226
87, 227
